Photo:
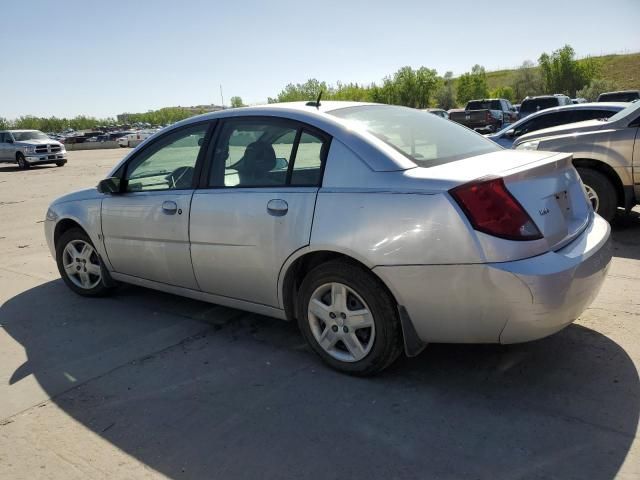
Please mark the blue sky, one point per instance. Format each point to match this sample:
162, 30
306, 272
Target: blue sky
103, 58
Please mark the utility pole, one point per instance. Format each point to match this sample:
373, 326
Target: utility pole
221, 97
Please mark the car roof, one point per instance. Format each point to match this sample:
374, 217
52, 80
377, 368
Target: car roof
621, 91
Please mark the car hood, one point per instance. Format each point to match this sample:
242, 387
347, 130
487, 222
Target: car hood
578, 127
49, 141
80, 195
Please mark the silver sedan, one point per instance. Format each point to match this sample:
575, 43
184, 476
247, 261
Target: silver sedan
377, 228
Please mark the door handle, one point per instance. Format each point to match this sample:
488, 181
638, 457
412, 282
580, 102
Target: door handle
169, 207
277, 207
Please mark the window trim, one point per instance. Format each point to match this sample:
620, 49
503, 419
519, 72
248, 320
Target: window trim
123, 170
300, 128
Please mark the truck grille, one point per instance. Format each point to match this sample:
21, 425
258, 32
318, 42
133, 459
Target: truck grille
47, 148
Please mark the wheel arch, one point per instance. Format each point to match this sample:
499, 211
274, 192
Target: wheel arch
608, 171
65, 225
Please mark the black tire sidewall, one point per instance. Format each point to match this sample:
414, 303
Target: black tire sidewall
387, 342
607, 198
22, 162
65, 238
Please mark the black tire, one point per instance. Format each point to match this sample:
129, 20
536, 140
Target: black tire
60, 164
22, 162
98, 290
604, 189
387, 342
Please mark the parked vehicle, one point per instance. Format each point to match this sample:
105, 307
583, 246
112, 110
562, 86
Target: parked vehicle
311, 212
134, 139
606, 153
485, 115
578, 100
30, 147
439, 112
534, 104
551, 117
621, 96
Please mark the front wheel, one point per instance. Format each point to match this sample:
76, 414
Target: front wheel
22, 162
79, 264
60, 164
349, 319
600, 192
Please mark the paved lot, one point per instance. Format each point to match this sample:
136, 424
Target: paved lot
145, 385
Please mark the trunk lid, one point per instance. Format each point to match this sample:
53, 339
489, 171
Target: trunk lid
546, 185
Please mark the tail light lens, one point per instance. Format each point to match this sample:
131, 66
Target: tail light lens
492, 209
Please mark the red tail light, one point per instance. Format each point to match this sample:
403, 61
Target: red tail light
493, 210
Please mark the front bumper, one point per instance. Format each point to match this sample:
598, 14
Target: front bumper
41, 158
506, 302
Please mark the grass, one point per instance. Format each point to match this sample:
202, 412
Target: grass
623, 70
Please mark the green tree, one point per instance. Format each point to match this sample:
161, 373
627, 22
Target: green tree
561, 72
300, 91
595, 88
472, 85
445, 95
236, 102
503, 92
527, 81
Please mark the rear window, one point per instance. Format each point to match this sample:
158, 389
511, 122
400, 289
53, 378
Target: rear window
535, 104
619, 97
484, 105
423, 138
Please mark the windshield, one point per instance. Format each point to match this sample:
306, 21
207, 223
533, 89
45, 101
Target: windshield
484, 105
425, 139
32, 135
632, 109
536, 104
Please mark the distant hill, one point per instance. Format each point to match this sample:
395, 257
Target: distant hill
623, 70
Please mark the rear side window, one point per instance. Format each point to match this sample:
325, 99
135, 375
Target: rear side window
619, 97
267, 153
422, 137
536, 104
582, 115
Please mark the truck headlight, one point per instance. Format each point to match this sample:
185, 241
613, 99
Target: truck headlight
30, 149
532, 145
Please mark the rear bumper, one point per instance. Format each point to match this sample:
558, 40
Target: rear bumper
506, 302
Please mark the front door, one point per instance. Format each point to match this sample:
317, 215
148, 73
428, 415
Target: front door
257, 206
146, 227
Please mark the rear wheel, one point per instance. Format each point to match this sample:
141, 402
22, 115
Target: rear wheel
601, 193
79, 264
22, 162
349, 318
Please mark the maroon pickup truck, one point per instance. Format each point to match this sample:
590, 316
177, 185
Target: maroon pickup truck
486, 115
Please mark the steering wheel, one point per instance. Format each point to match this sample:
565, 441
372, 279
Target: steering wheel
181, 177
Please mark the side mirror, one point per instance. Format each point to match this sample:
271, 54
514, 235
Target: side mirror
511, 133
109, 185
281, 164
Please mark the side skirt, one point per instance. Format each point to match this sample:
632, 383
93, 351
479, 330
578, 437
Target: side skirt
203, 296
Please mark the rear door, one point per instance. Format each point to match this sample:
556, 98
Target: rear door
256, 205
146, 227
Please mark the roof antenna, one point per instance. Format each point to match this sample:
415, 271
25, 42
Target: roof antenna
316, 103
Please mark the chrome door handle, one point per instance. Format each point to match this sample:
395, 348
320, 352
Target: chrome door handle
169, 207
277, 207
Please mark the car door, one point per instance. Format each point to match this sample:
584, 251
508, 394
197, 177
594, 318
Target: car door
3, 148
256, 207
146, 227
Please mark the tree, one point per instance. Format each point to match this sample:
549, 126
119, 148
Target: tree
300, 91
527, 81
595, 88
472, 85
445, 96
562, 73
236, 102
503, 92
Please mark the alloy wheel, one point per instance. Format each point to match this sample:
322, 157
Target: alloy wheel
341, 322
592, 195
81, 264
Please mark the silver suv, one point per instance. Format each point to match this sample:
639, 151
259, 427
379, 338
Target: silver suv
30, 147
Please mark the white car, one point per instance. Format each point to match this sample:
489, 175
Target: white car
134, 139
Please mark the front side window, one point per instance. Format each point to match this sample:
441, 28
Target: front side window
266, 153
169, 163
424, 139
